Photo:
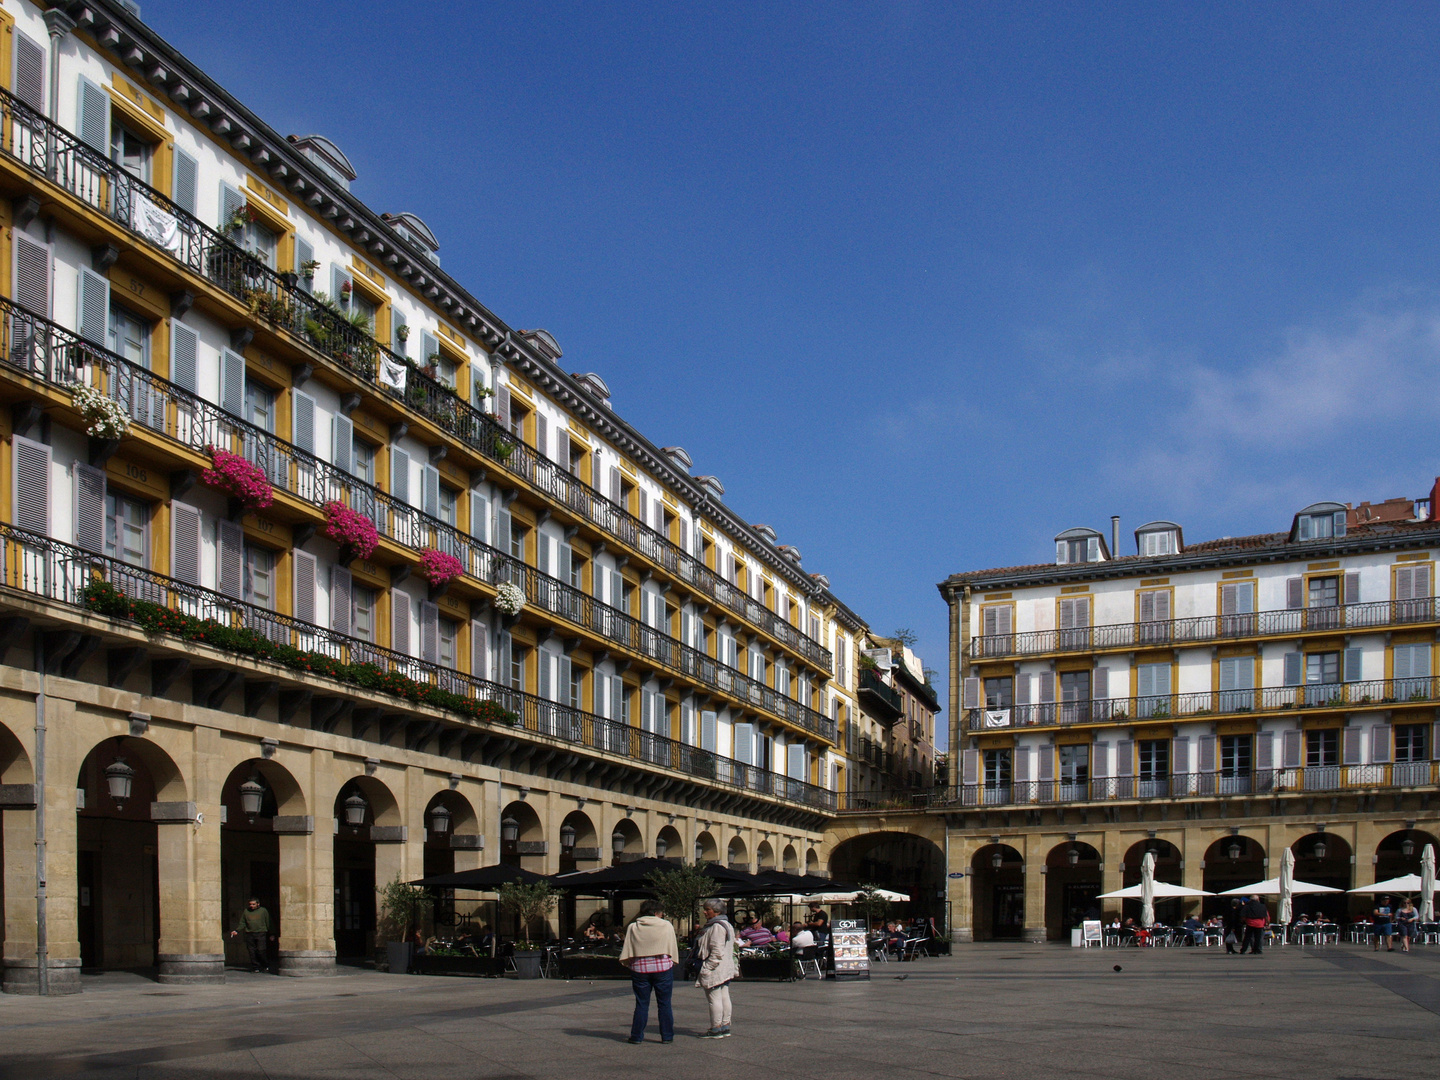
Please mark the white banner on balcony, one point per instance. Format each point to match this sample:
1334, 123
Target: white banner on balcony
392, 373
155, 224
997, 718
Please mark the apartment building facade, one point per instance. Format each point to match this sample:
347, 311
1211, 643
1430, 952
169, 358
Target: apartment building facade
315, 573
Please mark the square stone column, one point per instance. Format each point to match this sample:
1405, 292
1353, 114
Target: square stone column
960, 890
1032, 867
307, 896
187, 856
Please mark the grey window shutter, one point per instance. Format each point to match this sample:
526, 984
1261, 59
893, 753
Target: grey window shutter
31, 497
94, 117
1352, 665
502, 406
89, 508
1380, 743
1435, 741
1228, 601
93, 316
400, 621
1294, 668
972, 693
479, 515
1207, 753
338, 278
1339, 529
1294, 593
429, 632
1180, 754
504, 650
504, 528
1265, 750
184, 356
341, 593
1290, 749
304, 605
542, 674
400, 474
1101, 684
1046, 773
1100, 759
230, 203
1022, 689
1351, 748
565, 682
232, 382
687, 631
185, 543
615, 485
342, 443
32, 275
479, 649
1352, 587
618, 701
1125, 758
565, 567
1420, 582
185, 187
29, 76
540, 435
643, 507
708, 724
684, 536
302, 422
429, 346
304, 252
562, 448
542, 554
430, 493
970, 767
1047, 687
1062, 552
230, 558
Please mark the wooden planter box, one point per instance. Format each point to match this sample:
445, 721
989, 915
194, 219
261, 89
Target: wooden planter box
767, 967
488, 966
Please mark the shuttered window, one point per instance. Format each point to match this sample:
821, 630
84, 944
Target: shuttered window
502, 407
1290, 749
28, 81
1352, 587
341, 591
302, 421
32, 276
400, 621
1412, 582
31, 494
430, 490
1411, 661
342, 444
305, 580
1155, 606
185, 188
429, 632
479, 516
1237, 598
89, 508
1207, 753
185, 543
93, 312
1380, 743
400, 474
1294, 593
1265, 750
479, 649
232, 382
93, 122
184, 356
1074, 612
230, 558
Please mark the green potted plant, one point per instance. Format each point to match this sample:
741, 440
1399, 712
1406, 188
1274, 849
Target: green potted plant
528, 903
680, 891
403, 908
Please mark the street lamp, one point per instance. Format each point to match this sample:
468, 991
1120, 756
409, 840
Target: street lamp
617, 842
252, 797
439, 820
509, 830
661, 845
1072, 855
1407, 847
567, 836
355, 807
1233, 850
699, 852
997, 860
119, 778
1319, 849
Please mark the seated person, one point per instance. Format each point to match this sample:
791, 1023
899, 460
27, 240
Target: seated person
895, 937
1195, 930
781, 934
801, 937
593, 931
755, 933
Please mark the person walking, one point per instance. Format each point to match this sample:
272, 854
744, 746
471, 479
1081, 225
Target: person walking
651, 953
1384, 927
1234, 926
715, 951
1407, 922
254, 923
1257, 917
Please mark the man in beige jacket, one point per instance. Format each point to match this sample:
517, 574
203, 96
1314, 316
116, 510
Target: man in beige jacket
651, 953
715, 952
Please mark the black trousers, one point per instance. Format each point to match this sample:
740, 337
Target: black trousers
259, 953
1253, 936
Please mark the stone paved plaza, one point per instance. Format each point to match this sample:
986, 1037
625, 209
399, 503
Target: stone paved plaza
989, 1011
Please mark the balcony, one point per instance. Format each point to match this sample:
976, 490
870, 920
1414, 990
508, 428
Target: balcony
35, 566
1344, 618
277, 303
880, 701
1313, 697
53, 355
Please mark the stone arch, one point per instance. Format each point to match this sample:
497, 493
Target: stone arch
668, 838
705, 849
586, 847
159, 772
632, 844
529, 840
899, 861
1393, 857
1230, 862
1326, 858
1072, 883
366, 855
812, 861
381, 806
997, 892
15, 767
790, 860
736, 854
764, 856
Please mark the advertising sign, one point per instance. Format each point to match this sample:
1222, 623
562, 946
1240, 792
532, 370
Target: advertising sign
852, 951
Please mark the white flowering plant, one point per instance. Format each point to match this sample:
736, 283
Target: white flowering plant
509, 599
104, 417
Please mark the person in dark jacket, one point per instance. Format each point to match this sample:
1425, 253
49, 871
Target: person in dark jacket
1257, 917
1234, 926
254, 923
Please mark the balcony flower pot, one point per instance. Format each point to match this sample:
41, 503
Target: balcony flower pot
527, 963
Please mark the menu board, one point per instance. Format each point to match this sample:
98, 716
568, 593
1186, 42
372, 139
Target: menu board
852, 951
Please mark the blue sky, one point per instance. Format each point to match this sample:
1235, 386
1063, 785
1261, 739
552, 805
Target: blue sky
924, 284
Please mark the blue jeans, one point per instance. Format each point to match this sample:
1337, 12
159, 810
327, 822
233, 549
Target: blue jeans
663, 983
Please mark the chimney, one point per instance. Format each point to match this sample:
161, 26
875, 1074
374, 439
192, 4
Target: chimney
1115, 534
1434, 499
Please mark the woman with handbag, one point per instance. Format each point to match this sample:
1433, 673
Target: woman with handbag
1257, 917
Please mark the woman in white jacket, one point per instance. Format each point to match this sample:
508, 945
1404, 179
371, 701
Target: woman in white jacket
715, 953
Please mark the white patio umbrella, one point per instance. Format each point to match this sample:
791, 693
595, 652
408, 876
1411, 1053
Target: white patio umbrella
1163, 890
1287, 885
1427, 884
838, 897
1405, 883
1147, 890
1271, 887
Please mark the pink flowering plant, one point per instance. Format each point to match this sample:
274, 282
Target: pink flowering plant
353, 532
439, 568
238, 478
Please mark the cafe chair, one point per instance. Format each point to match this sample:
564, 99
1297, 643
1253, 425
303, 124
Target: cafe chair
808, 958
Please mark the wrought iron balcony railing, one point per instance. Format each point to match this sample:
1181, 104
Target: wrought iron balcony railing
885, 700
1202, 628
41, 566
277, 301
1367, 694
48, 352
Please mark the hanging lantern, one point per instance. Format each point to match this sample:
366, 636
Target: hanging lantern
509, 830
617, 842
1233, 850
252, 797
119, 778
1407, 847
661, 846
997, 860
1319, 849
1072, 855
439, 820
355, 807
567, 836
699, 852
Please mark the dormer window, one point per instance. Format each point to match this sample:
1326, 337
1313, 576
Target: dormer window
1319, 521
1080, 546
1158, 538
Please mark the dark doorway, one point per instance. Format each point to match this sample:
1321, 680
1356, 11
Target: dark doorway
354, 898
89, 885
1079, 897
1007, 912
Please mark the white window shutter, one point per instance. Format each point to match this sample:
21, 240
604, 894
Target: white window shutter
232, 382
185, 187
93, 313
1062, 552
400, 621
1180, 754
31, 280
1352, 746
1101, 684
31, 493
230, 558
1339, 529
1352, 665
93, 123
1162, 607
1228, 599
1125, 758
1207, 753
542, 556
29, 76
502, 406
1290, 749
429, 632
1352, 587
341, 600
479, 515
302, 423
430, 494
708, 725
1380, 740
1294, 668
1092, 549
479, 649
184, 356
1421, 581
1295, 591
89, 508
1100, 760
1046, 763
970, 768
342, 444
972, 693
1022, 688
1265, 750
305, 577
185, 543
400, 474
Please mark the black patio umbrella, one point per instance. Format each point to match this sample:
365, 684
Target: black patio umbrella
630, 877
482, 879
784, 882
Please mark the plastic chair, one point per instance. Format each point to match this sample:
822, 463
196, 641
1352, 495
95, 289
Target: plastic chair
807, 957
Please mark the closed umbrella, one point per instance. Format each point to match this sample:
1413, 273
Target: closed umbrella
1287, 885
1147, 890
1427, 884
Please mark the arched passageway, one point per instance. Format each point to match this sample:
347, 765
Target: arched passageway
1072, 883
902, 862
254, 795
1167, 868
367, 814
1230, 862
997, 893
1323, 858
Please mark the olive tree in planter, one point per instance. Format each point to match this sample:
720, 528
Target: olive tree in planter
680, 891
528, 903
869, 901
403, 908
